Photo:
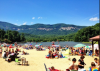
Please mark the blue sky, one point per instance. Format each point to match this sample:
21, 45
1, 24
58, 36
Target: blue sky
28, 12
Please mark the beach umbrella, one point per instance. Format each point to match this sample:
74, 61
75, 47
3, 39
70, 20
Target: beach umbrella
87, 47
55, 45
79, 45
36, 45
10, 46
40, 44
1, 45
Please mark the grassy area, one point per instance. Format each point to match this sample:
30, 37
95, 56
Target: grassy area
90, 42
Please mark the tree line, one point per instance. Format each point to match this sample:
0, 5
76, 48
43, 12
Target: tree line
11, 36
84, 34
48, 38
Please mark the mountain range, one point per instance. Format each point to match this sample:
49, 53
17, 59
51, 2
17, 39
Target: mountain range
42, 29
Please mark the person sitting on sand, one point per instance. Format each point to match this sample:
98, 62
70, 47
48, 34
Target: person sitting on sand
93, 67
4, 54
60, 53
53, 54
50, 54
9, 51
24, 53
7, 54
72, 65
12, 51
52, 49
16, 53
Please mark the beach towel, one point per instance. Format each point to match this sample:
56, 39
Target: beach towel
53, 70
67, 52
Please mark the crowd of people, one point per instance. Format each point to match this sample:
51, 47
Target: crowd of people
80, 66
27, 47
9, 54
83, 51
54, 53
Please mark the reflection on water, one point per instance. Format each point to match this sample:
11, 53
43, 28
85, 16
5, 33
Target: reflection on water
69, 43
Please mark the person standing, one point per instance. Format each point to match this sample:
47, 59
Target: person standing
81, 63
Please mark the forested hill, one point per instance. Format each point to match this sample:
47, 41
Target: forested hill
42, 29
84, 34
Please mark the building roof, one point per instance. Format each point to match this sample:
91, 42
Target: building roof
96, 38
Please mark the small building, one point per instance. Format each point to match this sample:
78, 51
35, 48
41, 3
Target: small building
95, 39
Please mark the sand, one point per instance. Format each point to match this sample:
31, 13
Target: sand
37, 59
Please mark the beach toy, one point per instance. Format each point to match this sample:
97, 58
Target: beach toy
56, 57
65, 57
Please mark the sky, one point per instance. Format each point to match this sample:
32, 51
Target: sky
29, 12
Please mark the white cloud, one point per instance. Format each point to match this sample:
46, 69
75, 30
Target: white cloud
31, 22
33, 18
94, 19
16, 24
39, 17
24, 23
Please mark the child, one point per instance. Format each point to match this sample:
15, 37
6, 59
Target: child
93, 67
76, 67
71, 67
95, 61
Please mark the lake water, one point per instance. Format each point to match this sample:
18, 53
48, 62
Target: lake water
69, 43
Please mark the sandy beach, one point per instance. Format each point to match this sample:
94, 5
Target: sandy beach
37, 59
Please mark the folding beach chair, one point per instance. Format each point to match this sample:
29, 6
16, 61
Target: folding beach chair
17, 61
24, 61
45, 67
